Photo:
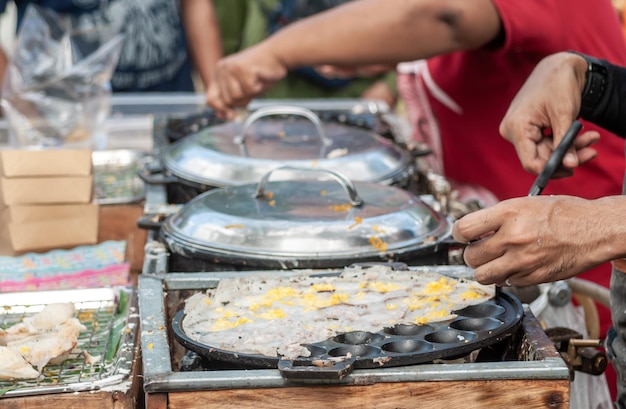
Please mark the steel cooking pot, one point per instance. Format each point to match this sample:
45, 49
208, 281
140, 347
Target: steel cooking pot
241, 152
316, 219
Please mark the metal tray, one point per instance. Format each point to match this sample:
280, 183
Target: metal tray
116, 179
474, 327
111, 318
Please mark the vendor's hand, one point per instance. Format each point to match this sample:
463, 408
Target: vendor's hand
538, 239
550, 99
242, 76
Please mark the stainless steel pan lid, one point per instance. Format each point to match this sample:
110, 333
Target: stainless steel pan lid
306, 219
239, 153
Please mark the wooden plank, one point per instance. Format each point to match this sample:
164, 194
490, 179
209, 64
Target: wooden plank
82, 400
526, 394
136, 389
156, 400
119, 222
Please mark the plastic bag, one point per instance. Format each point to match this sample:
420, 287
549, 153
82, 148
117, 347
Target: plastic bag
56, 89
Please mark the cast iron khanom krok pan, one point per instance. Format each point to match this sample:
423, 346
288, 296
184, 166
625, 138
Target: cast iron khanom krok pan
475, 327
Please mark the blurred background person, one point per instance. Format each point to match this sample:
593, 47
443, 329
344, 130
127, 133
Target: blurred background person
204, 35
155, 54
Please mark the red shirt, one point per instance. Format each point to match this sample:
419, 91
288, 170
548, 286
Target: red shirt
483, 83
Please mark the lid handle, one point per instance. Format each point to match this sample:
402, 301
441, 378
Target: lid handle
348, 186
282, 110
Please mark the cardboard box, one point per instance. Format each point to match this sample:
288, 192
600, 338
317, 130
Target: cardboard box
50, 162
46, 190
34, 213
40, 228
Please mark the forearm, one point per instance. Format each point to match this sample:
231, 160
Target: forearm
608, 236
203, 35
388, 31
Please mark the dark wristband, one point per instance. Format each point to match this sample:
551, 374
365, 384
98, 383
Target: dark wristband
595, 85
603, 99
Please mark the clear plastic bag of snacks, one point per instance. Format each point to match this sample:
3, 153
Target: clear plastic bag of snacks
56, 90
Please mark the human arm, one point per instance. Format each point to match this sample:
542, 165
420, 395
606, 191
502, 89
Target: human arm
357, 33
203, 35
532, 240
384, 85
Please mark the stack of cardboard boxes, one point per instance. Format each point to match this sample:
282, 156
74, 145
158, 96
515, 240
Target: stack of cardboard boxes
46, 200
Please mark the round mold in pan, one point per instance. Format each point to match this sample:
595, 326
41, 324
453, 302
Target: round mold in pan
474, 327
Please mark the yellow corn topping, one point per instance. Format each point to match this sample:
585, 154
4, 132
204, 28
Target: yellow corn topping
420, 320
430, 316
223, 324
230, 314
278, 294
437, 314
322, 287
273, 314
384, 287
442, 285
466, 295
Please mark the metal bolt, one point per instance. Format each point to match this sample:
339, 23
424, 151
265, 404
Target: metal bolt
559, 294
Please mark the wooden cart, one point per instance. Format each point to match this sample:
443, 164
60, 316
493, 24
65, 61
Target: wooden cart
533, 375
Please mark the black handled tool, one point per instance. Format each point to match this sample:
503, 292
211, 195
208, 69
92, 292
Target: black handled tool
555, 159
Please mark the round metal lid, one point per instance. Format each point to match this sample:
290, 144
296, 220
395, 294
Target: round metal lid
306, 219
239, 153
